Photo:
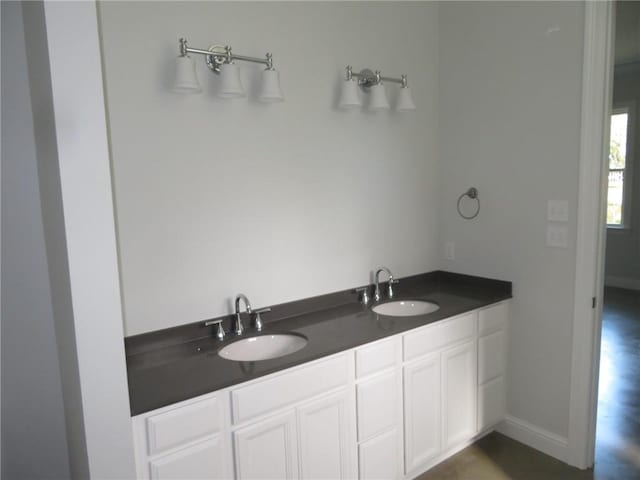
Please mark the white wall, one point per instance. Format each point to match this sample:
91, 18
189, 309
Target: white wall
34, 442
279, 201
623, 246
510, 76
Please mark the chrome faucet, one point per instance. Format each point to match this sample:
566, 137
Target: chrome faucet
239, 327
377, 296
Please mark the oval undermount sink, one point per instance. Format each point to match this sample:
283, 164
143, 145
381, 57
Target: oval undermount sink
405, 308
263, 347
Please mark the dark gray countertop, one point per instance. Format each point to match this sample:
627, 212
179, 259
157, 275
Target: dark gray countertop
176, 364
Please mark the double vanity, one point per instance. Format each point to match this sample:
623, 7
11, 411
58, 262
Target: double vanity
328, 387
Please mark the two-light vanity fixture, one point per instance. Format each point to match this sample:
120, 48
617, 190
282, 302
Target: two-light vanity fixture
372, 82
221, 61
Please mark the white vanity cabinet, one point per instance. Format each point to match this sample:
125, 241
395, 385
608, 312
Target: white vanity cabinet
439, 389
389, 409
492, 355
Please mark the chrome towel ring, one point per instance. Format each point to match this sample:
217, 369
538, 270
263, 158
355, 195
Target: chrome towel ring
472, 193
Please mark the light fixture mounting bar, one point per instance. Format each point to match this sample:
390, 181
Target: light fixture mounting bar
368, 78
394, 80
223, 54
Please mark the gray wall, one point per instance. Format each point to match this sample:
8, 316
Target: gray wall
510, 76
622, 265
34, 441
280, 201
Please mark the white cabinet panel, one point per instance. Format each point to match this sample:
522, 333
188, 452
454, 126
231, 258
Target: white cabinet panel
459, 394
377, 404
433, 337
493, 318
375, 358
181, 425
267, 449
491, 403
422, 411
327, 438
379, 457
492, 363
491, 356
203, 460
290, 387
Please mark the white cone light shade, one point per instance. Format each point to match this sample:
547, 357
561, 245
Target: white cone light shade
349, 95
230, 84
405, 100
270, 88
378, 98
186, 79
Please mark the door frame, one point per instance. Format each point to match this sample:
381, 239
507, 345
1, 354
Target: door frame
597, 89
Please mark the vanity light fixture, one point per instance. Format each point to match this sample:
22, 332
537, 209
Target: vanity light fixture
372, 82
221, 61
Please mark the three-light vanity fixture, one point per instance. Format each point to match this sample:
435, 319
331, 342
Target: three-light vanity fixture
372, 83
221, 61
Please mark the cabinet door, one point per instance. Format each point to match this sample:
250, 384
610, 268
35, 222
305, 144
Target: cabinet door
203, 460
378, 404
422, 397
267, 449
492, 406
327, 438
491, 356
379, 457
459, 389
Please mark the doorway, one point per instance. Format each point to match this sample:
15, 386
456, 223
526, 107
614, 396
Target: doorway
617, 449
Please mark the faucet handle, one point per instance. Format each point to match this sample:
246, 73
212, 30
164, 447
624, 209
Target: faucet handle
258, 320
220, 330
364, 298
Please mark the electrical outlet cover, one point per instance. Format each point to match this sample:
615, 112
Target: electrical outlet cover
558, 211
557, 236
449, 251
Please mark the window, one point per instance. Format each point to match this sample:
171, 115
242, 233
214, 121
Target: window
619, 185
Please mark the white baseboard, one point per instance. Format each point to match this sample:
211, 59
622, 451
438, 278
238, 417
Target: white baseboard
622, 282
535, 437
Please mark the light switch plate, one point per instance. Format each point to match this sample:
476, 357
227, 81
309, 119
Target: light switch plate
558, 211
557, 236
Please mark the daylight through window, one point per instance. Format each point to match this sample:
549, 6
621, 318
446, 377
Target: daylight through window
617, 168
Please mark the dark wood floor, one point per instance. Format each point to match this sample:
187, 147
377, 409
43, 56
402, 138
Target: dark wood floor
497, 457
618, 427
